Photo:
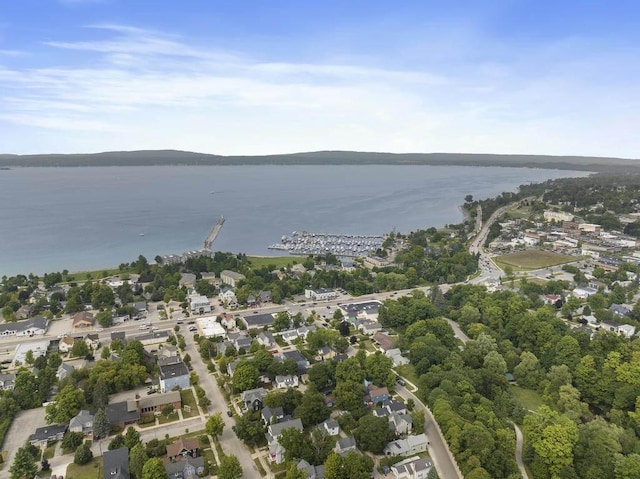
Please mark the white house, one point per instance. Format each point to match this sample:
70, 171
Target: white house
584, 293
331, 426
320, 294
286, 381
65, 344
624, 329
276, 451
412, 468
199, 304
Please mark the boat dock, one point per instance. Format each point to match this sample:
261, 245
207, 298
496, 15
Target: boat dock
307, 243
213, 234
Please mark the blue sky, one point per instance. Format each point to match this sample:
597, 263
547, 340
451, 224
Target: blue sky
261, 77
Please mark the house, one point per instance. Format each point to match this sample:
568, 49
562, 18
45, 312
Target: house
182, 448
271, 415
396, 355
155, 337
243, 342
276, 451
264, 297
231, 367
320, 294
185, 468
175, 375
253, 398
584, 292
65, 344
140, 307
377, 394
312, 472
24, 311
231, 278
92, 341
45, 434
251, 300
82, 422
289, 336
370, 327
384, 341
258, 320
118, 335
331, 426
412, 468
286, 381
228, 295
187, 280
406, 447
367, 310
620, 310
122, 414
345, 444
7, 381
199, 304
154, 404
303, 331
401, 423
228, 321
300, 360
266, 339
325, 353
82, 320
28, 327
116, 464
625, 329
168, 360
63, 371
168, 351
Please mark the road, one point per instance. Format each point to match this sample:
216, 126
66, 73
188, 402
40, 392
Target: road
438, 450
229, 441
519, 443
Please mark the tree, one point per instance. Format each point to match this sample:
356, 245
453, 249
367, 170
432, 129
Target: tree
83, 454
294, 473
101, 424
154, 469
597, 446
373, 433
137, 459
626, 467
104, 318
100, 395
312, 409
344, 327
351, 466
296, 445
419, 420
215, 425
167, 410
24, 465
117, 442
378, 367
79, 349
66, 405
229, 467
282, 321
245, 377
249, 428
131, 438
321, 375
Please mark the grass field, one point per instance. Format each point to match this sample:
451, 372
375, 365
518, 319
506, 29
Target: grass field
93, 470
407, 371
188, 400
533, 259
277, 261
529, 398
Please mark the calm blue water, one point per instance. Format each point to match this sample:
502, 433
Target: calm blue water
90, 218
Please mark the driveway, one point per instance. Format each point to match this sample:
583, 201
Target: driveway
23, 425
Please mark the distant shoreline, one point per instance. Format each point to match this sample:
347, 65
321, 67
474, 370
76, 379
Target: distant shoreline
328, 158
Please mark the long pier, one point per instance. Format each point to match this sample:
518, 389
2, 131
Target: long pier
213, 234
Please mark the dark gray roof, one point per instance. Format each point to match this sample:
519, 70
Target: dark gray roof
178, 466
116, 464
46, 432
264, 319
174, 370
119, 412
352, 309
154, 335
19, 326
346, 442
118, 335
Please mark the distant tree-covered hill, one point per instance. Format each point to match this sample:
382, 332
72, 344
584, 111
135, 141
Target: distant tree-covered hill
174, 157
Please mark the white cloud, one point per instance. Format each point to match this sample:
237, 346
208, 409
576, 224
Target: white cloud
147, 89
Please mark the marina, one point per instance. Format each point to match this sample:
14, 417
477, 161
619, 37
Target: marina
308, 243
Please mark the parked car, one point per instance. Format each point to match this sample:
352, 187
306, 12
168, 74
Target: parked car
229, 413
192, 329
400, 381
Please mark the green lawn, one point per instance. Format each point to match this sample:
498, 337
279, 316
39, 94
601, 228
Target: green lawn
408, 371
49, 451
528, 397
167, 419
93, 470
81, 276
277, 261
189, 400
533, 259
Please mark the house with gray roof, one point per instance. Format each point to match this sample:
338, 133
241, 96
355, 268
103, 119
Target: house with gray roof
63, 371
407, 446
253, 398
412, 468
313, 472
276, 451
116, 464
185, 468
258, 320
331, 427
272, 415
7, 381
266, 339
45, 434
345, 444
82, 422
28, 327
174, 375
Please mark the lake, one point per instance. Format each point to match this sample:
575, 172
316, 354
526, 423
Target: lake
95, 217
